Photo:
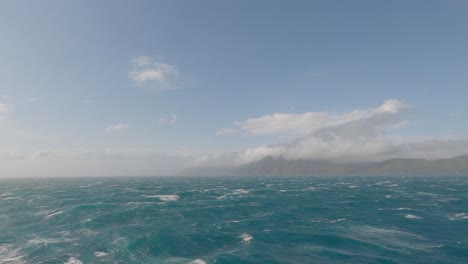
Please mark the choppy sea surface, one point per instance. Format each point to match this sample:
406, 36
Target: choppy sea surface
235, 220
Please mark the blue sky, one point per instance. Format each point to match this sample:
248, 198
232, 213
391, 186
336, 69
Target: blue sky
164, 76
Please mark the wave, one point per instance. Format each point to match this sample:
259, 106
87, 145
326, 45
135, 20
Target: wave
337, 220
100, 254
164, 198
459, 216
410, 216
198, 261
8, 255
391, 239
73, 260
178, 260
246, 238
53, 214
13, 198
240, 191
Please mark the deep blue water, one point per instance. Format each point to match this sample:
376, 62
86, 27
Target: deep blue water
235, 220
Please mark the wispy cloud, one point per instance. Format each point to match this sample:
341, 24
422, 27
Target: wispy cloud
388, 114
153, 75
118, 128
5, 109
225, 131
170, 119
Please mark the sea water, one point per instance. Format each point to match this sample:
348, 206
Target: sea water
235, 220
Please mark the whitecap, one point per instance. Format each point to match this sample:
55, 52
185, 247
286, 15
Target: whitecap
391, 239
459, 216
164, 198
410, 216
100, 254
45, 241
8, 255
12, 198
140, 203
337, 220
198, 261
427, 194
403, 209
222, 197
53, 214
73, 260
246, 238
240, 191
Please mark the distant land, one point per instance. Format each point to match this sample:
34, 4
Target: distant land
271, 166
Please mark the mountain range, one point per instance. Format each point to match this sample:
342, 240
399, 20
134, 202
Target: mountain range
271, 166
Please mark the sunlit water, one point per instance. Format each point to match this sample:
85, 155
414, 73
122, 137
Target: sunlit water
235, 220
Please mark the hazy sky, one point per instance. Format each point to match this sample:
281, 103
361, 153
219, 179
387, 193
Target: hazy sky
150, 87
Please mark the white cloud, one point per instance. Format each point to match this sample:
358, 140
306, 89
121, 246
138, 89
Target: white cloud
153, 75
358, 135
5, 108
170, 119
364, 149
311, 122
8, 155
118, 128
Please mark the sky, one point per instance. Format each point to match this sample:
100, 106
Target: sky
130, 88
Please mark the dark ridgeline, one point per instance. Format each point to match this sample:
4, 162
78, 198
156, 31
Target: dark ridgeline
271, 166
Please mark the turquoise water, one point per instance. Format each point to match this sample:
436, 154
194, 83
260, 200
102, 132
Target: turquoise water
235, 220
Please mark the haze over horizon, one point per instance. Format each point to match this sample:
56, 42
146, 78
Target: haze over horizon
122, 89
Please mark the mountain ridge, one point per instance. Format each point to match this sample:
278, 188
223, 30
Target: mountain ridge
271, 166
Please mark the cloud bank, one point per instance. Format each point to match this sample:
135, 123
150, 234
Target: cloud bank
358, 135
92, 162
355, 136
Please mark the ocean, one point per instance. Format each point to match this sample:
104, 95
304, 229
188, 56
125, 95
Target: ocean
234, 220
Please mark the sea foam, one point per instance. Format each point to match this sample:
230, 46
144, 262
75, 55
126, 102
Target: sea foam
246, 238
410, 216
73, 260
459, 216
100, 254
240, 191
165, 198
198, 261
